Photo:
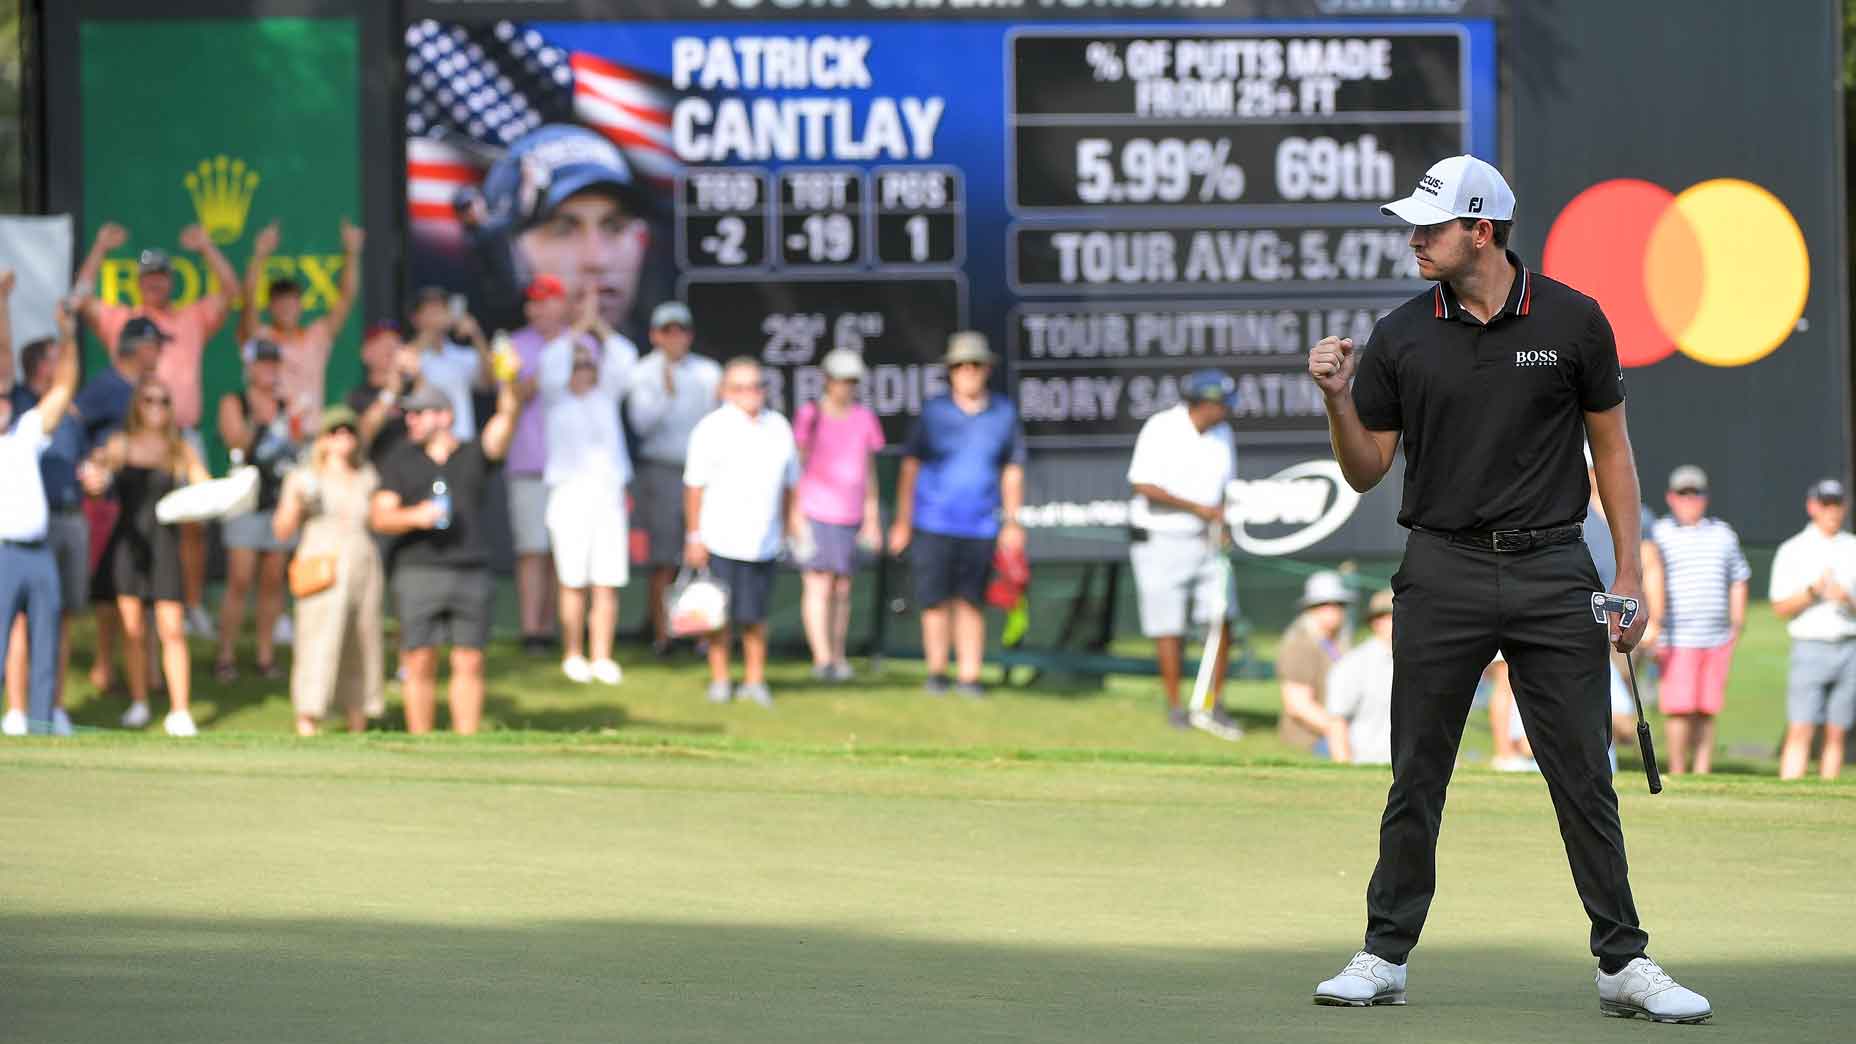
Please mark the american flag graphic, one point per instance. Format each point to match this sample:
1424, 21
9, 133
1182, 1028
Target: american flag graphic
472, 90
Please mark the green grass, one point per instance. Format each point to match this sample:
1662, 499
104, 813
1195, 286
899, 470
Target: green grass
860, 864
569, 888
664, 699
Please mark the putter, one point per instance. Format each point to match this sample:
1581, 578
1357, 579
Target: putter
1604, 604
1199, 710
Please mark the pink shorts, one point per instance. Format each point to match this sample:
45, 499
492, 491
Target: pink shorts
1694, 680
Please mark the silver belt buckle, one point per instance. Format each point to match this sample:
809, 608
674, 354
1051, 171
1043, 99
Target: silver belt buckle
1510, 540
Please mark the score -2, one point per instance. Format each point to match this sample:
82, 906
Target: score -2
722, 219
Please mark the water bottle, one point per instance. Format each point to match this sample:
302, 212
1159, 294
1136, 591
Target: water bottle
441, 495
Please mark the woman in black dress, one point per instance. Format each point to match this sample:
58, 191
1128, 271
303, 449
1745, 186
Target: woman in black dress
141, 563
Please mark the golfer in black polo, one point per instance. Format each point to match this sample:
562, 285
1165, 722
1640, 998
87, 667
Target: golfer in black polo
1492, 379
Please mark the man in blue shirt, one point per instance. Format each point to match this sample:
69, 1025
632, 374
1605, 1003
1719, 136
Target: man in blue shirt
959, 491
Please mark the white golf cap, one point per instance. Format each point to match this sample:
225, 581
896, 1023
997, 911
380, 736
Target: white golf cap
844, 364
1458, 187
1326, 588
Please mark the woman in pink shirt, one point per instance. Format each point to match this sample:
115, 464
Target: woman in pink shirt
838, 440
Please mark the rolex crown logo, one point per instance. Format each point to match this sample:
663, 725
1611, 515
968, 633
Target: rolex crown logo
222, 188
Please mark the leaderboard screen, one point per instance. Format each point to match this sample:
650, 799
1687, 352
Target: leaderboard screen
1115, 194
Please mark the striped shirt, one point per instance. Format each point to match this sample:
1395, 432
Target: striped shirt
1700, 564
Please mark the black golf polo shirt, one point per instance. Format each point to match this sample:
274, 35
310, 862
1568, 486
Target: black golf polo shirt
1491, 416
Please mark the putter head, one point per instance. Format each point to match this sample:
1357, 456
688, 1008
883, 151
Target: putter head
1604, 603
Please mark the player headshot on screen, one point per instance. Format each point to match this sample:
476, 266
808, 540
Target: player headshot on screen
564, 202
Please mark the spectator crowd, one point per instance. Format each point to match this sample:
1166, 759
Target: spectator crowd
673, 463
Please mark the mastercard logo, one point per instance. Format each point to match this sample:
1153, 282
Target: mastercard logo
1717, 272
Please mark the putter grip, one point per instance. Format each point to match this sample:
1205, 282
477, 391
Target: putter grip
1649, 757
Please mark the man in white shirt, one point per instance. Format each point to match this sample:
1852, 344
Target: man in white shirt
1183, 458
1813, 577
1359, 687
670, 391
451, 368
28, 569
738, 494
1705, 577
586, 472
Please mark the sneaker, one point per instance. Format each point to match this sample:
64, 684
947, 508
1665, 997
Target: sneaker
970, 690
199, 622
937, 685
822, 672
1365, 981
1178, 718
61, 722
537, 644
270, 671
1643, 988
577, 670
756, 693
136, 716
283, 632
606, 672
841, 672
13, 723
1217, 723
179, 723
720, 692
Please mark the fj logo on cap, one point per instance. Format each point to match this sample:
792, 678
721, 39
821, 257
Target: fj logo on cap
1475, 204
1537, 357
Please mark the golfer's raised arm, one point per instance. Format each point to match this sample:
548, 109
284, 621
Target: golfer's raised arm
1364, 455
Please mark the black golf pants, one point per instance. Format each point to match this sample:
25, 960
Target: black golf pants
1454, 607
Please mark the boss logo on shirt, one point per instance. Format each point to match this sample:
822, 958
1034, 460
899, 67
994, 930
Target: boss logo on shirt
1537, 357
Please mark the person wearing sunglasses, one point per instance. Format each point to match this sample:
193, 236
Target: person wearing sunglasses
957, 496
141, 564
1705, 576
337, 659
738, 489
187, 325
587, 471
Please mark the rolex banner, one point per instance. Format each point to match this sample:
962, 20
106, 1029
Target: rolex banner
251, 121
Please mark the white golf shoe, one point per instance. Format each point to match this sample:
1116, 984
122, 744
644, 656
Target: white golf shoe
13, 723
606, 672
1365, 981
179, 723
1643, 988
577, 670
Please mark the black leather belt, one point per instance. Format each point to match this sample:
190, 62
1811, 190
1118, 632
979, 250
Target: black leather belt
1504, 541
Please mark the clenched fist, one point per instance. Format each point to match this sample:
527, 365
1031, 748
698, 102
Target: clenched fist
1331, 363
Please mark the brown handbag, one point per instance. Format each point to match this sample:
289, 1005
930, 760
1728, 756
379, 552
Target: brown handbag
311, 574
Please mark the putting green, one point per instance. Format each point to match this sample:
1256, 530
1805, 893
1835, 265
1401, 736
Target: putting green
531, 887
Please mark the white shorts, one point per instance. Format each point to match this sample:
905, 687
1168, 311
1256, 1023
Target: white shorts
592, 543
1172, 570
528, 514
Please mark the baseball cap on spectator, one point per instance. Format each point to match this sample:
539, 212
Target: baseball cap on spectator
547, 165
544, 287
844, 364
260, 349
137, 330
1380, 605
968, 346
671, 313
424, 397
340, 415
1208, 386
1688, 476
1326, 588
1458, 187
155, 261
285, 285
1827, 491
